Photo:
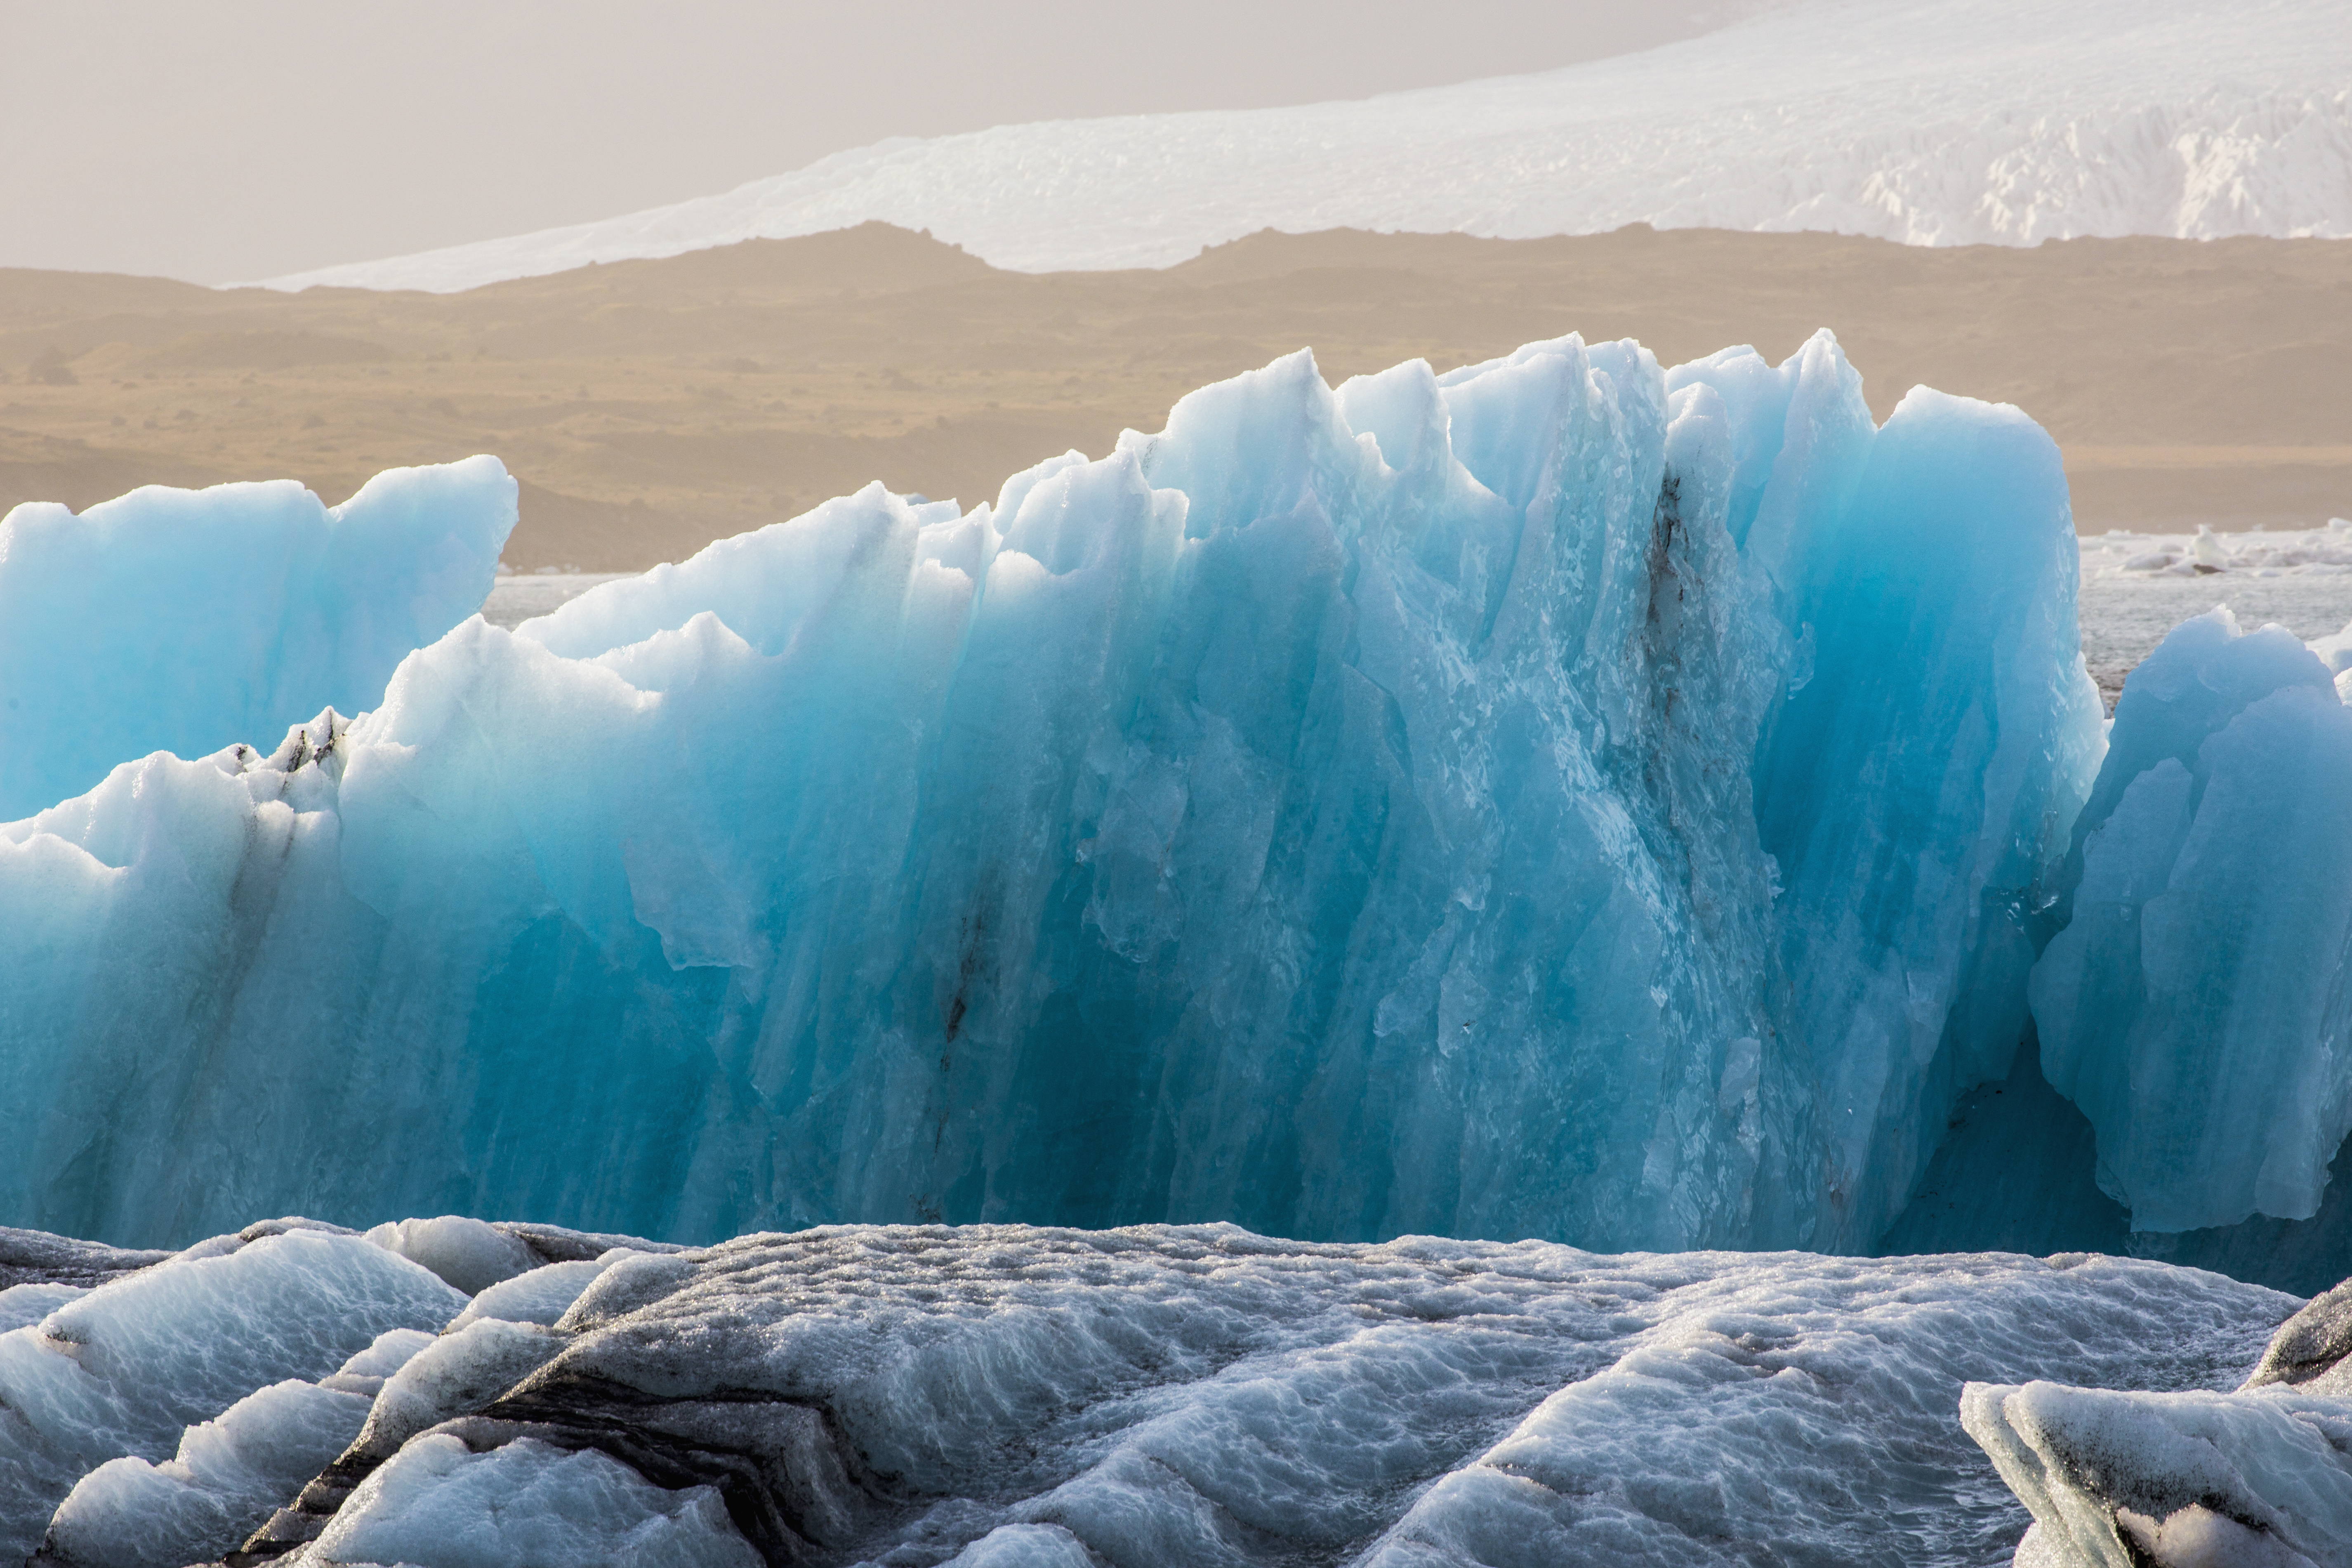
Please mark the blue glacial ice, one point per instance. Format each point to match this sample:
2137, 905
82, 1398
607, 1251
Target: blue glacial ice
2197, 1004
1562, 797
189, 620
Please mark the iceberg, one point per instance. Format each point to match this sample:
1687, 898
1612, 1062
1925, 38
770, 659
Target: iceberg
2196, 1006
1563, 797
998, 1395
2256, 1476
189, 620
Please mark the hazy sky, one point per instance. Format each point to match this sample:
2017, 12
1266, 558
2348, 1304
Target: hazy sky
221, 139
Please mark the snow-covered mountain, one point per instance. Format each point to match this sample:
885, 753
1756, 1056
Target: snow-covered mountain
1928, 121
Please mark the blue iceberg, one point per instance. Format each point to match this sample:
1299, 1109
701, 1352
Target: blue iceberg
1564, 797
2197, 1004
188, 620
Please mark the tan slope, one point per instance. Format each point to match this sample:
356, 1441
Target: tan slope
650, 406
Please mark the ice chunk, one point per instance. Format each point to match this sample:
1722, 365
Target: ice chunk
2194, 1005
366, 1371
541, 1296
1583, 801
1915, 787
439, 1506
466, 1253
561, 1244
2175, 1480
189, 620
122, 1370
460, 1372
229, 1475
2335, 650
2311, 1344
37, 1257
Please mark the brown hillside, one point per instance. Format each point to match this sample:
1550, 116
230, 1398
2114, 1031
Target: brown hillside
650, 406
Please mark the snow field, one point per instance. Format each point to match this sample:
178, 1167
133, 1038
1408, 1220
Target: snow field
1925, 122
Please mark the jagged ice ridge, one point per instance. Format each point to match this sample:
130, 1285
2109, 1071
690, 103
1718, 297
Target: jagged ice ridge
185, 621
1427, 806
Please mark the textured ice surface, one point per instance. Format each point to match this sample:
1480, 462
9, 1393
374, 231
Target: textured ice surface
439, 1506
541, 1296
189, 620
38, 1257
1208, 1396
1009, 1395
366, 1371
468, 1253
2257, 1478
229, 1475
124, 1369
1429, 805
23, 1304
460, 1371
1930, 122
2195, 1006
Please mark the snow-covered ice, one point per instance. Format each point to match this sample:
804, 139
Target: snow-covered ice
1425, 804
189, 620
439, 1505
124, 1369
1173, 1395
1928, 121
2259, 1478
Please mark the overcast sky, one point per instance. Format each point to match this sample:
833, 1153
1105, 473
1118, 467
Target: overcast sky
223, 140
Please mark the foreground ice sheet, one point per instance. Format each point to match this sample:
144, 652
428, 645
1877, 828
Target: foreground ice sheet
1928, 122
1563, 798
440, 1504
189, 620
122, 1370
2261, 1478
182, 1393
1158, 1396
